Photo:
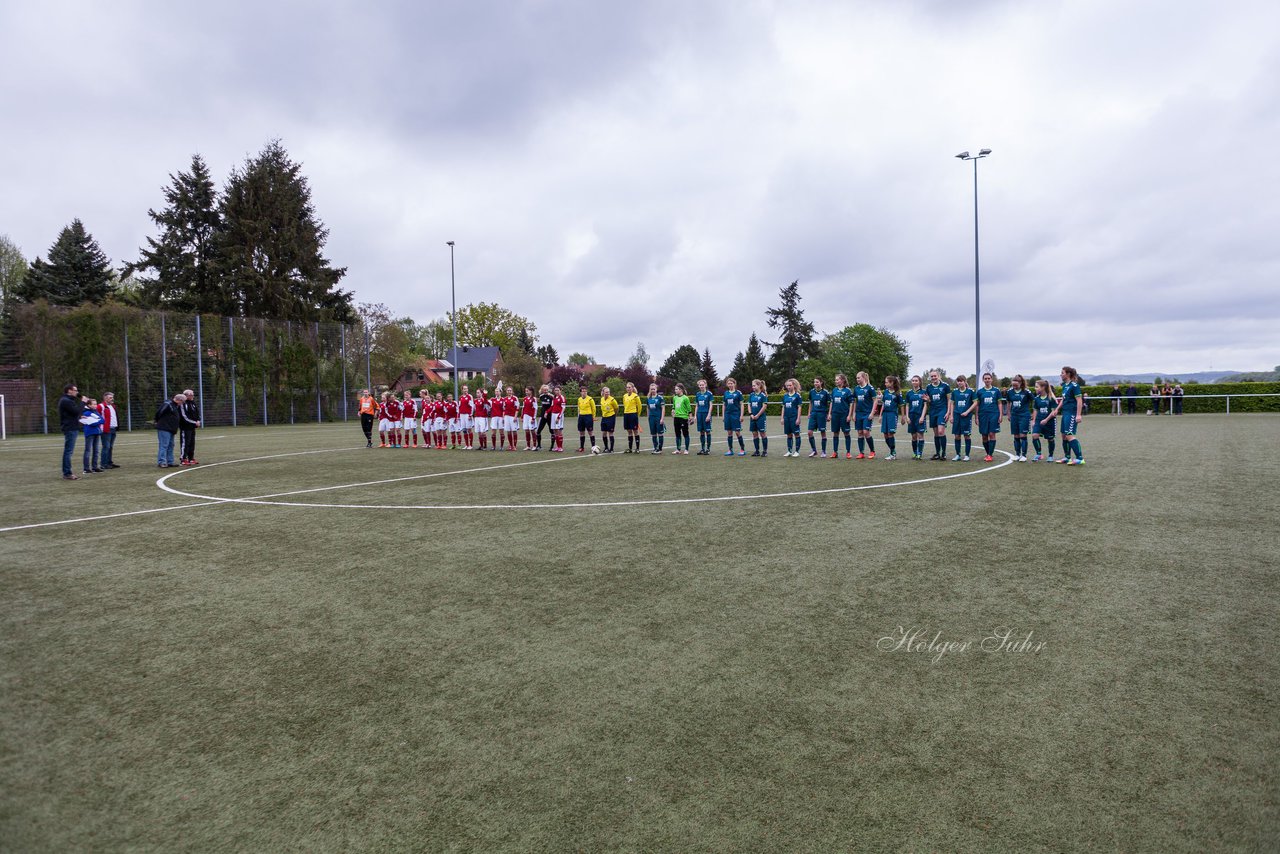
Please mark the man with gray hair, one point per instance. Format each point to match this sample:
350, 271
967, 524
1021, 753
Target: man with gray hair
167, 420
190, 415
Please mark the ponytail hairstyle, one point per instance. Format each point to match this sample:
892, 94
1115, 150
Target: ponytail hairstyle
760, 384
1019, 382
1044, 384
1071, 373
894, 384
793, 384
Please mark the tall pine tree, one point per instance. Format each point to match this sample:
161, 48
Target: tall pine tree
77, 271
751, 365
797, 339
269, 249
708, 370
183, 260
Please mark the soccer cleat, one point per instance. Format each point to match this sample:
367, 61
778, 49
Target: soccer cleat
956, 458
742, 453
76, 477
766, 453
891, 458
835, 455
1065, 461
966, 458
754, 454
860, 456
987, 458
581, 450
813, 454
1037, 458
871, 455
1076, 462
655, 451
676, 451
728, 453
849, 456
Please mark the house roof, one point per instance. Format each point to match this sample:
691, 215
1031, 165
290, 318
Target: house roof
475, 358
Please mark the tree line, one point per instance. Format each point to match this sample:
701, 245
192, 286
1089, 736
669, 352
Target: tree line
255, 248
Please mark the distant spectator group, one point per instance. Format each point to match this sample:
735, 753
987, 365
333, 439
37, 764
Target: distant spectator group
1166, 398
99, 423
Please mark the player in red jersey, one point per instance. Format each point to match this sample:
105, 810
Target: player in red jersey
528, 416
393, 417
510, 408
428, 421
466, 409
384, 421
482, 418
409, 419
557, 420
424, 414
451, 421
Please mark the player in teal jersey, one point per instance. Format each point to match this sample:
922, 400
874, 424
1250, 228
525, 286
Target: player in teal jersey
841, 416
917, 411
864, 408
939, 395
704, 398
656, 405
1043, 423
757, 407
1071, 405
887, 407
791, 402
963, 404
733, 417
819, 413
1017, 408
990, 400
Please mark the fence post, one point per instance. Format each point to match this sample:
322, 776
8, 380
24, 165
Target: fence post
200, 366
231, 355
288, 330
44, 393
264, 376
1228, 404
128, 384
343, 356
368, 377
164, 359
319, 415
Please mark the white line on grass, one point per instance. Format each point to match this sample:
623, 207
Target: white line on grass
262, 499
56, 447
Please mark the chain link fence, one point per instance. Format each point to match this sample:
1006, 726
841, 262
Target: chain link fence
242, 370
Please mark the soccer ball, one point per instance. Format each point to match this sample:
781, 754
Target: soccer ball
595, 449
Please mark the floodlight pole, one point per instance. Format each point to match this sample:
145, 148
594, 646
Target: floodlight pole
977, 303
453, 318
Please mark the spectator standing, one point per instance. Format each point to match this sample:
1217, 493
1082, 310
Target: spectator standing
1132, 394
92, 422
168, 418
110, 424
70, 408
1177, 398
189, 418
1167, 394
1115, 399
1155, 400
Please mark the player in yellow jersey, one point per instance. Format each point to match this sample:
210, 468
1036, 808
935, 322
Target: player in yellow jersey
586, 418
608, 417
631, 405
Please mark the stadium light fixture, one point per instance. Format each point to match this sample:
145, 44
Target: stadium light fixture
977, 303
453, 317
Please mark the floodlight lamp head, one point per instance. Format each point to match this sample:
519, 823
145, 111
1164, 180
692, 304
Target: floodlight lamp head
984, 152
964, 155
448, 243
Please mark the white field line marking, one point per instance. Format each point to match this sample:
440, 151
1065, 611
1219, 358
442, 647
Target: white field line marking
261, 499
210, 502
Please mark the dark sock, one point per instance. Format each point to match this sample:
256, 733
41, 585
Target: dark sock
813, 445
968, 445
742, 446
1053, 446
871, 444
755, 440
764, 443
892, 443
862, 445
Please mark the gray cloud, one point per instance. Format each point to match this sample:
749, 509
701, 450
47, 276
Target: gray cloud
657, 172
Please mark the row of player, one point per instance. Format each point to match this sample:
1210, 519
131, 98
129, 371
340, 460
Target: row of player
925, 407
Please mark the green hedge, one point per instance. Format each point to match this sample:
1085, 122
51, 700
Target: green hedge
1191, 405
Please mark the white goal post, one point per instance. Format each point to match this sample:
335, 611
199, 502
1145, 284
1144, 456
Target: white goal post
4, 421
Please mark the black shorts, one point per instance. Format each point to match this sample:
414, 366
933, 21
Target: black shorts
606, 423
630, 421
586, 423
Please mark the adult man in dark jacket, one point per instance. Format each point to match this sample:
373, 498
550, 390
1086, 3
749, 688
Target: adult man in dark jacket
70, 408
168, 418
190, 420
1132, 394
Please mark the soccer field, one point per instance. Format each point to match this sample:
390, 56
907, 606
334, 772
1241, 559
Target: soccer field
303, 644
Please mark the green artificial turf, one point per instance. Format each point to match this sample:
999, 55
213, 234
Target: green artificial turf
685, 676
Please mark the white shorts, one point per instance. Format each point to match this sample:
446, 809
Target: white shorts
384, 424
437, 425
557, 421
527, 422
464, 422
509, 421
453, 426
409, 423
482, 424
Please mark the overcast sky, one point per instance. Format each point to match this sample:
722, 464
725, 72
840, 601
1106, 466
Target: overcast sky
656, 171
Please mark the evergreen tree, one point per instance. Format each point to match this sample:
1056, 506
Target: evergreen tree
269, 248
750, 365
524, 343
547, 355
13, 269
707, 370
184, 258
77, 271
681, 362
796, 339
